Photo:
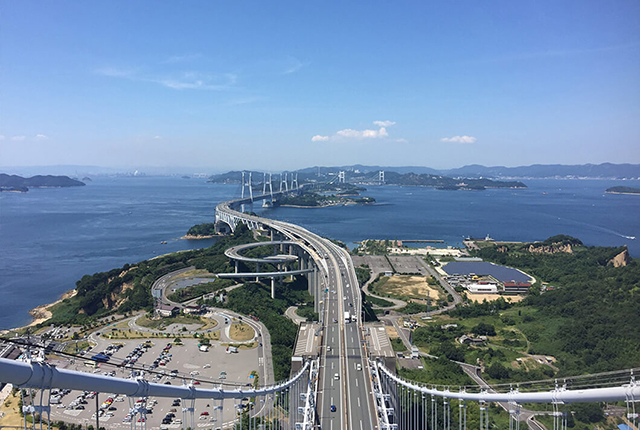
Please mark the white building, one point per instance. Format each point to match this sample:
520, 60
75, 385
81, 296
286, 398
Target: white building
484, 288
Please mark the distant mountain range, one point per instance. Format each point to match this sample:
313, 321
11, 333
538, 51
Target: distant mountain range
19, 184
600, 171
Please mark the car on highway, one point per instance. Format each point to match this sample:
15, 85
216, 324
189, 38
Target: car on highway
336, 376
333, 408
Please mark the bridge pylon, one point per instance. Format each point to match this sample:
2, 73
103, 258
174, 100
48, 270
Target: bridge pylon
246, 182
283, 182
294, 181
267, 182
381, 177
341, 177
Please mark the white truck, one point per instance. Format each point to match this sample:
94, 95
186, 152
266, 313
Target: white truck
347, 317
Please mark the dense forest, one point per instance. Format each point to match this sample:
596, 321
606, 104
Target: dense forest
589, 309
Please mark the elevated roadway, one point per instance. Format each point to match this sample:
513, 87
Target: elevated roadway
344, 377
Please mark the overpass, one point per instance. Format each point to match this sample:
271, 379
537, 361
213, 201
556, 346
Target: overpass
365, 393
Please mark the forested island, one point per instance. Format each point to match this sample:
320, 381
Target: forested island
315, 200
623, 190
447, 183
17, 183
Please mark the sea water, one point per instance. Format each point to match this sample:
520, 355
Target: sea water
50, 238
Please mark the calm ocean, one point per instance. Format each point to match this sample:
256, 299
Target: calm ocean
49, 238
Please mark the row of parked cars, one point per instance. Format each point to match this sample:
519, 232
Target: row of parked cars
135, 355
163, 358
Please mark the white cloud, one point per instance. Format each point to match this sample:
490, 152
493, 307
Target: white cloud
41, 137
157, 137
459, 139
401, 140
19, 138
197, 81
384, 123
349, 133
186, 80
1, 136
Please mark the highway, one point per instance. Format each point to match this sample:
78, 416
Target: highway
342, 347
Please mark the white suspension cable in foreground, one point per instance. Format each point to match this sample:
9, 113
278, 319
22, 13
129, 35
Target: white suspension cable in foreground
39, 375
559, 395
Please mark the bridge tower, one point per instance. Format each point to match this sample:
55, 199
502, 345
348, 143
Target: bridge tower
246, 182
267, 182
294, 180
381, 177
283, 182
341, 177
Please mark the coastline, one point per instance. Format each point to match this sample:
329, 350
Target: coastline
42, 313
617, 192
200, 237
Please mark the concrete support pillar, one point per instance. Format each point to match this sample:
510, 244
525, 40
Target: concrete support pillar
236, 266
273, 288
316, 290
257, 271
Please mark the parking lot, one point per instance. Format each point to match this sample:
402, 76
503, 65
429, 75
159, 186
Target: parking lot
161, 361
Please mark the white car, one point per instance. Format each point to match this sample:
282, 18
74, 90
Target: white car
336, 376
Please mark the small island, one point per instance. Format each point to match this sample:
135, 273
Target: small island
15, 183
623, 190
315, 200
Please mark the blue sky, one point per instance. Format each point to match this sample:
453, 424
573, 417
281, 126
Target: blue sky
284, 85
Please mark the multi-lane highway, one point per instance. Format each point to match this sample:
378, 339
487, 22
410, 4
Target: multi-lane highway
345, 399
344, 383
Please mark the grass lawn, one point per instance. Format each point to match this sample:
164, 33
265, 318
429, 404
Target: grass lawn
241, 332
160, 324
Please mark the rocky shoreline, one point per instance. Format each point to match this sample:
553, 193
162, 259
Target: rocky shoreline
199, 237
42, 313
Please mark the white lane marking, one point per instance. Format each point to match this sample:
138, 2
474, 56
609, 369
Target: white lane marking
358, 399
356, 382
332, 365
360, 424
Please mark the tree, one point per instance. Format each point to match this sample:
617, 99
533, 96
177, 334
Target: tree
588, 412
483, 329
498, 371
